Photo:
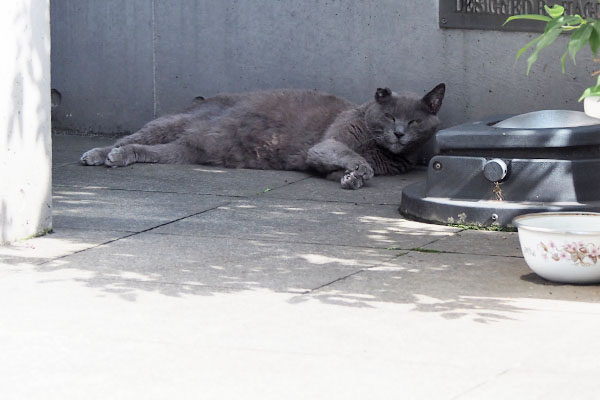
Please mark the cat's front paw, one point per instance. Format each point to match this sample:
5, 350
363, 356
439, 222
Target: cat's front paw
351, 181
365, 171
356, 178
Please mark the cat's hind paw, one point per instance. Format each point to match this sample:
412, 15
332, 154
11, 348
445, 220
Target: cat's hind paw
95, 156
120, 157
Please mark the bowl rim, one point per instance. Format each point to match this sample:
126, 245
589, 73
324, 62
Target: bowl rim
518, 222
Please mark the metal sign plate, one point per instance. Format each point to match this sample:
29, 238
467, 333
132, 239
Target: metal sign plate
491, 14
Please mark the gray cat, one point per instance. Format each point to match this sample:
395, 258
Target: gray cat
298, 130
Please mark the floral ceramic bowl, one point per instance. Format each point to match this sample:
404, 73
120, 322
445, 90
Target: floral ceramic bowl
561, 246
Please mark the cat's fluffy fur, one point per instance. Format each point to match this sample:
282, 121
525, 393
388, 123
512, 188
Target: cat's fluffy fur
299, 130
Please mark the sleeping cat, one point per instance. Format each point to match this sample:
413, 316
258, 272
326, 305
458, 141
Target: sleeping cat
287, 129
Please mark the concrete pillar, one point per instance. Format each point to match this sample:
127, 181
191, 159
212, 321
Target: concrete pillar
25, 141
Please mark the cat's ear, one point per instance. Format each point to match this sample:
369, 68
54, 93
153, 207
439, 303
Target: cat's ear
433, 99
383, 95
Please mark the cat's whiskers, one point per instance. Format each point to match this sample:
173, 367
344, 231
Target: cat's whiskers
371, 139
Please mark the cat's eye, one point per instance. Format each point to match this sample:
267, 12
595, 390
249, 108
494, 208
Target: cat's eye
390, 116
414, 121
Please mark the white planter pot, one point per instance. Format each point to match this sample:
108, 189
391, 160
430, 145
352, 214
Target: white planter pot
591, 106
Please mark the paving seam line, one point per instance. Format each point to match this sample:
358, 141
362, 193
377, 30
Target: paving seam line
247, 239
423, 247
58, 186
354, 273
135, 233
269, 190
362, 203
485, 382
249, 196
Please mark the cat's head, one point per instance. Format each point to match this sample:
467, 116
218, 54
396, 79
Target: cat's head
401, 122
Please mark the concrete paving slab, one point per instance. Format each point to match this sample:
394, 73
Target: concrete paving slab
252, 344
453, 285
257, 344
66, 149
480, 242
284, 220
122, 210
221, 262
379, 190
188, 179
523, 384
62, 242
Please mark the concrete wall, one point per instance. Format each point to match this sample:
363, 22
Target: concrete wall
119, 63
25, 148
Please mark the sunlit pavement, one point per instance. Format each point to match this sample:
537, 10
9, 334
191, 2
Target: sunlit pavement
195, 282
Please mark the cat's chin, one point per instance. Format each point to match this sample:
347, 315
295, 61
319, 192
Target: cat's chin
394, 148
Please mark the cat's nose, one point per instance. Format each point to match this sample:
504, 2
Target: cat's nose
399, 130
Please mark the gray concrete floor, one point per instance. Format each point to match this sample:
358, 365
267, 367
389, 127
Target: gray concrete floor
192, 282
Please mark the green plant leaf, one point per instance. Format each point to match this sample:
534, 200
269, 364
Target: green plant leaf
578, 39
572, 20
591, 91
585, 94
546, 39
555, 11
555, 23
552, 24
562, 61
595, 38
527, 46
534, 17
